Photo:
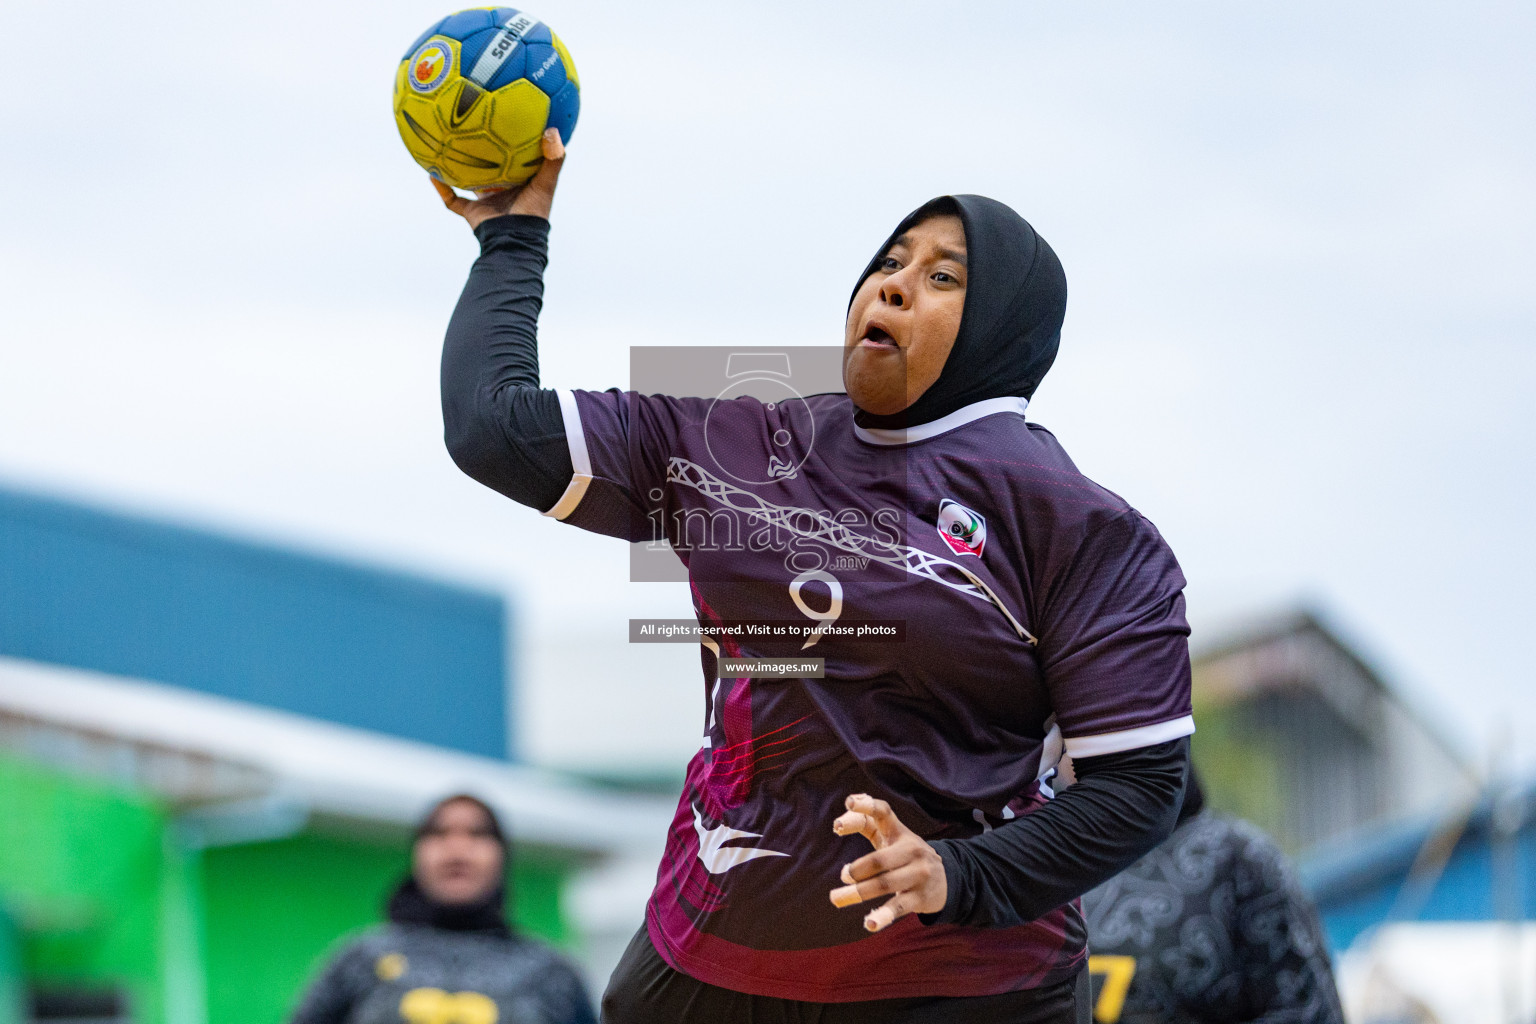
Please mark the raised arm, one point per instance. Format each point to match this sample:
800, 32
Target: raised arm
500, 427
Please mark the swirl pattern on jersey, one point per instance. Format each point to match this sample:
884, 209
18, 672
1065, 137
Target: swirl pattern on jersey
1219, 930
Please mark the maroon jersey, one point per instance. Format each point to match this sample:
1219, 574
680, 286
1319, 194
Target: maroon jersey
1036, 610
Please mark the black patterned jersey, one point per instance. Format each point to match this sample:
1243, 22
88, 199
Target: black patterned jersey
408, 974
1210, 927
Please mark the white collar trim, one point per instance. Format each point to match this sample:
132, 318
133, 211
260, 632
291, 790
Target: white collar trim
944, 424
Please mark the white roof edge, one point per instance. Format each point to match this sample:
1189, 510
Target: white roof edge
334, 769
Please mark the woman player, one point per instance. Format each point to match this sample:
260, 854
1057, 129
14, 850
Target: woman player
1038, 610
448, 952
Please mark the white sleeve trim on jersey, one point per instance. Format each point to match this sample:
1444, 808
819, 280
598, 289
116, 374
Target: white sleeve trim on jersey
1130, 739
581, 463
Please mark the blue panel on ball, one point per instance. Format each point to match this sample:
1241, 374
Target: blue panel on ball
502, 15
466, 23
429, 33
474, 45
545, 69
563, 108
511, 70
539, 34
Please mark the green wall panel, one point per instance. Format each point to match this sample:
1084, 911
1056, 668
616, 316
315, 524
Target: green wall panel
273, 909
83, 868
10, 970
102, 897
537, 885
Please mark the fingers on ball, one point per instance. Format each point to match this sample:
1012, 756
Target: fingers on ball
552, 147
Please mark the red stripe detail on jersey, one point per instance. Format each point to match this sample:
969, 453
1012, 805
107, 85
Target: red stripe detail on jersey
906, 960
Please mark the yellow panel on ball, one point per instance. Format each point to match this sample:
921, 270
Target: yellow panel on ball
420, 129
474, 161
519, 113
525, 161
464, 106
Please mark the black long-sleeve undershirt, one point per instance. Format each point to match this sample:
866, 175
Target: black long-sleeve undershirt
1121, 806
500, 427
508, 434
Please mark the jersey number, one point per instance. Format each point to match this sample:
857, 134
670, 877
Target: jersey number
1116, 972
822, 619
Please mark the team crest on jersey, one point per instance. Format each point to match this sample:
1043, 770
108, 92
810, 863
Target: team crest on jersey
963, 530
430, 66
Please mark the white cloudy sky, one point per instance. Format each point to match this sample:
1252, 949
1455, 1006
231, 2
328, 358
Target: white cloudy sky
1299, 238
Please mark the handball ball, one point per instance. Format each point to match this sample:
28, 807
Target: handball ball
475, 93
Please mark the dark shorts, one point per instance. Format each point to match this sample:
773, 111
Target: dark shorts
644, 990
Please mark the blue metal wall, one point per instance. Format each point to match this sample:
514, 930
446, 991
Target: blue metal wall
1464, 893
1365, 889
375, 649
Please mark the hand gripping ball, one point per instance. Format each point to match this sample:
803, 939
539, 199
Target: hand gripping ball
474, 94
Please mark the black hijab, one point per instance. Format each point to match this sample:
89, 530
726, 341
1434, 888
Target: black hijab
409, 904
1015, 300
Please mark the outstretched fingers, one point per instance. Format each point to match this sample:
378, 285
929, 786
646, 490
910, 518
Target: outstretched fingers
871, 864
898, 880
865, 815
889, 912
902, 863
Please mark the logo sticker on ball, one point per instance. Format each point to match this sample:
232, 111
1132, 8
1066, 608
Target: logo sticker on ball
430, 66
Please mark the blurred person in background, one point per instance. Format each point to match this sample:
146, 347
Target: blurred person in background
448, 955
1211, 926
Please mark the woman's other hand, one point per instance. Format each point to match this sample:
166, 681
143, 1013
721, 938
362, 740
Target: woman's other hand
903, 863
533, 199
